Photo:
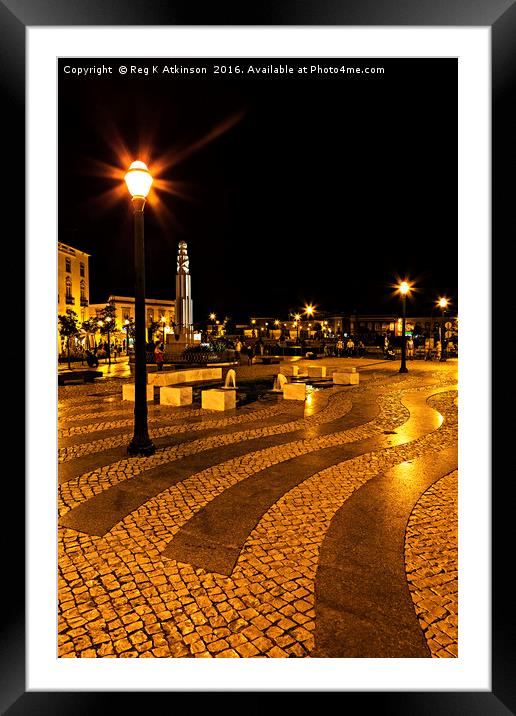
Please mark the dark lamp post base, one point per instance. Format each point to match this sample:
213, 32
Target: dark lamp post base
403, 369
146, 449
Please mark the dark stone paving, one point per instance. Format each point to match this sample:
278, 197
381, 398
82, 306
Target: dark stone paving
364, 607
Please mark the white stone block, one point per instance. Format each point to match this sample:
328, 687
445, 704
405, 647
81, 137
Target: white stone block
341, 378
188, 375
316, 371
170, 395
128, 392
294, 391
289, 369
218, 399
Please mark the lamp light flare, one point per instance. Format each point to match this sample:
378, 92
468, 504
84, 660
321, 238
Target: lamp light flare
443, 303
404, 288
138, 179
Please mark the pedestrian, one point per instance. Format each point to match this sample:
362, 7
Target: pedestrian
438, 350
428, 349
249, 351
159, 356
410, 348
361, 349
238, 350
350, 346
386, 347
339, 347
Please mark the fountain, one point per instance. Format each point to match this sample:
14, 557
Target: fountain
279, 382
230, 381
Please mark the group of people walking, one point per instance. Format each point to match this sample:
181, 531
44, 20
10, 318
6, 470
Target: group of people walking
348, 348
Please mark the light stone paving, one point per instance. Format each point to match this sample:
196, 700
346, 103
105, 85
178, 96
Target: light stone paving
431, 559
119, 598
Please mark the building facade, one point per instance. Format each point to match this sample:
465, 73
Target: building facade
73, 281
156, 311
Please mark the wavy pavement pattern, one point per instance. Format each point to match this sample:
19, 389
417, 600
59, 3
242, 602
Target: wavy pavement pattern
431, 559
202, 614
74, 492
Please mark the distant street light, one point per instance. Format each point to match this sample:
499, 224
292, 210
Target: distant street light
126, 326
212, 319
139, 181
403, 288
443, 305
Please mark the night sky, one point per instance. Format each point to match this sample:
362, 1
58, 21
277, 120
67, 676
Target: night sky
314, 188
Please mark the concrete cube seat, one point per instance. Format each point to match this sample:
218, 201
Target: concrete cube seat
218, 399
316, 371
172, 395
294, 391
289, 369
128, 392
341, 378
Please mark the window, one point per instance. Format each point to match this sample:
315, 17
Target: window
83, 290
68, 265
82, 269
68, 286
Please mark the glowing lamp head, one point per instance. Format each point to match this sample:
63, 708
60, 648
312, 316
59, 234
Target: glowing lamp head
404, 288
138, 180
443, 303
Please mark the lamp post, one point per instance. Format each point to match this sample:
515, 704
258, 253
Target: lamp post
212, 318
139, 181
443, 305
403, 288
108, 325
126, 326
163, 321
297, 319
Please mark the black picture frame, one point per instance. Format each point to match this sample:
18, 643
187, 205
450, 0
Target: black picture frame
500, 15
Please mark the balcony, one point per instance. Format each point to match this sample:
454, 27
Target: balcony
70, 301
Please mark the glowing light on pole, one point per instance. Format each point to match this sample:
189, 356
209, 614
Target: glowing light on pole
404, 289
443, 305
139, 182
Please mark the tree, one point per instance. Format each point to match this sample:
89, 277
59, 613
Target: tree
106, 321
68, 327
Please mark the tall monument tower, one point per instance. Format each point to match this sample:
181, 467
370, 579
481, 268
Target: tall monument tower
184, 310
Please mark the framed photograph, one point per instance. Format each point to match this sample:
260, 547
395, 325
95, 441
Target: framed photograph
312, 148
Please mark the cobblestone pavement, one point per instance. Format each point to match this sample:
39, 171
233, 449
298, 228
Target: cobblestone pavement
212, 547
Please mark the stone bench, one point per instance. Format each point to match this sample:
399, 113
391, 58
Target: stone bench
294, 391
218, 399
83, 376
344, 378
316, 371
290, 369
128, 392
189, 375
172, 395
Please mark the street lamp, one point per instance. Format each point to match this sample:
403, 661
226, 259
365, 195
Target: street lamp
212, 319
139, 181
163, 321
403, 288
443, 305
108, 325
126, 326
